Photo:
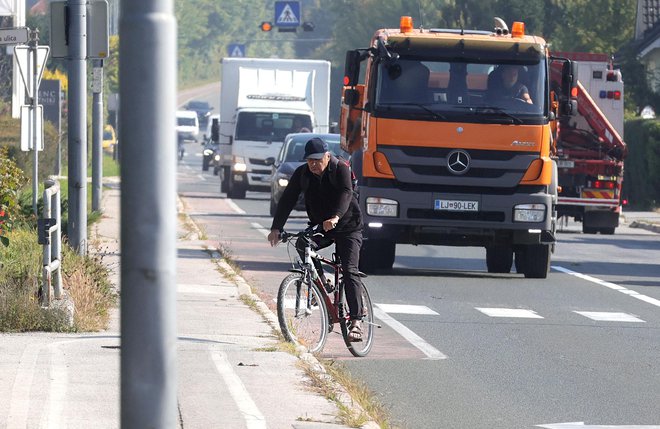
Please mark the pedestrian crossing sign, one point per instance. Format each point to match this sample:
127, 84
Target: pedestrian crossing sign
236, 50
287, 14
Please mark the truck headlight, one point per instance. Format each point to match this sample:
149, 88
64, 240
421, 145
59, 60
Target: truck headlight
239, 164
283, 181
529, 213
382, 207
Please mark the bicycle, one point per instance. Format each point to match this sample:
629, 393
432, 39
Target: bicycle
307, 312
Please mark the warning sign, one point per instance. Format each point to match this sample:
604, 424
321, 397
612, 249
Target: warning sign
235, 50
287, 13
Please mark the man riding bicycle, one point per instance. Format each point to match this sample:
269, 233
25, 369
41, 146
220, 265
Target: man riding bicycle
331, 203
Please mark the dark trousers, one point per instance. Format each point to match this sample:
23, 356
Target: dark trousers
347, 247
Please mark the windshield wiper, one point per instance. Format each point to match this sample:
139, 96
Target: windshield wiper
499, 110
435, 114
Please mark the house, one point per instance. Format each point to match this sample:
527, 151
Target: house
647, 40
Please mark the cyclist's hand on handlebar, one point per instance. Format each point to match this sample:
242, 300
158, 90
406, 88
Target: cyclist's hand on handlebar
274, 237
330, 223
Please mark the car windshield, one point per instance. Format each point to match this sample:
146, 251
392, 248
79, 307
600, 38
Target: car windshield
295, 150
450, 90
186, 122
198, 105
262, 126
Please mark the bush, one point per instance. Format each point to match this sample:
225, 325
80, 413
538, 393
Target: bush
11, 180
85, 279
641, 185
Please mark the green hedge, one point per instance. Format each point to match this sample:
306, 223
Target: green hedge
641, 184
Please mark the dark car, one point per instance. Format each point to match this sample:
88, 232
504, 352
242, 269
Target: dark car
291, 157
202, 108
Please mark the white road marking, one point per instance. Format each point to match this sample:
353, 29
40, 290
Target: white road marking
251, 414
581, 425
261, 229
406, 309
612, 286
409, 335
509, 312
57, 388
606, 316
201, 177
234, 207
19, 401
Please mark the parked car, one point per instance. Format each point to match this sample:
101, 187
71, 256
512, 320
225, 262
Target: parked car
289, 158
210, 145
109, 138
202, 108
187, 125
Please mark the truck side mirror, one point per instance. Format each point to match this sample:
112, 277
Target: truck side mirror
352, 68
569, 77
215, 131
351, 97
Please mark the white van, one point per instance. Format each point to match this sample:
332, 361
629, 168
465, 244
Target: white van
187, 125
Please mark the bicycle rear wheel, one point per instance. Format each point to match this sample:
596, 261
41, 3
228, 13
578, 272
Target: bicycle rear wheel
302, 313
359, 348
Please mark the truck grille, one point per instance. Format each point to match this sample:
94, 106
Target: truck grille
428, 166
462, 216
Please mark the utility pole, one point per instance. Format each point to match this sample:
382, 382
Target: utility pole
148, 85
77, 224
97, 134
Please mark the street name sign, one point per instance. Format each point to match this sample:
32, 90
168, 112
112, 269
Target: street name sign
14, 36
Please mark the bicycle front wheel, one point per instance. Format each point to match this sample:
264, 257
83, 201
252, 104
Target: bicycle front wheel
359, 348
302, 313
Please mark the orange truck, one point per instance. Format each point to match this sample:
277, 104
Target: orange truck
451, 134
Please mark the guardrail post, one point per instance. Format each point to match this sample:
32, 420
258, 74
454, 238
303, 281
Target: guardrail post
50, 235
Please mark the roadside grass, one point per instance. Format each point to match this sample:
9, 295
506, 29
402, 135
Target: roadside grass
84, 278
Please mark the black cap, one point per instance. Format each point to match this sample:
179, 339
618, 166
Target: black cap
315, 148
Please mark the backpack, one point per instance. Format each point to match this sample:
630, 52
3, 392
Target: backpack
304, 180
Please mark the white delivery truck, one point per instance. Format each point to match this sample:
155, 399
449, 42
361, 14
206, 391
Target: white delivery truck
261, 101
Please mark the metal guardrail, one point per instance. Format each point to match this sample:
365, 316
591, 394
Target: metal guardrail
50, 235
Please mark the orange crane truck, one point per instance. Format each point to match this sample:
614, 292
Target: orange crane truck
451, 133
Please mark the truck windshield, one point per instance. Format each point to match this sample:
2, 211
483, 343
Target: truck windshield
461, 90
269, 126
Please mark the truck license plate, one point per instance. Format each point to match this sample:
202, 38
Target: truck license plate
457, 205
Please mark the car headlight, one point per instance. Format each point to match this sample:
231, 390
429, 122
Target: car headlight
239, 164
217, 157
529, 213
382, 207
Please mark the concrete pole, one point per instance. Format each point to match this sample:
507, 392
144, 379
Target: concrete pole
77, 224
34, 42
148, 85
97, 135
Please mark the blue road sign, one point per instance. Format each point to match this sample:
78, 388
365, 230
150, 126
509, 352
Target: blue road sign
236, 50
287, 14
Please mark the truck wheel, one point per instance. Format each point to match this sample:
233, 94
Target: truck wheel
235, 191
224, 180
377, 255
519, 261
588, 229
607, 231
499, 259
536, 261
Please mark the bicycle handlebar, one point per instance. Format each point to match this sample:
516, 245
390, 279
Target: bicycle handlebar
310, 231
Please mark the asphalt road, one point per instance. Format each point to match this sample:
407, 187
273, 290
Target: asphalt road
462, 348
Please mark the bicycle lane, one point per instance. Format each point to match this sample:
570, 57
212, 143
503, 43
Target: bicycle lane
242, 237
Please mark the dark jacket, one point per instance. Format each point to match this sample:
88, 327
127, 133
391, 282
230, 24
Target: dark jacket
324, 198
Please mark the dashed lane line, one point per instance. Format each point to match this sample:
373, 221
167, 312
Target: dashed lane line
431, 352
609, 285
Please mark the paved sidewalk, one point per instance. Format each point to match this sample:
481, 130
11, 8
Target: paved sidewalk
230, 372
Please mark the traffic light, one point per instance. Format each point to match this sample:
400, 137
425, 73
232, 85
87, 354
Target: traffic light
308, 26
266, 26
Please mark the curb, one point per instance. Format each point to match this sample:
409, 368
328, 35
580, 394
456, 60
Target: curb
307, 359
645, 225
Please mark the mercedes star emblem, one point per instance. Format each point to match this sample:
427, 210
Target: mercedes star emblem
458, 162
